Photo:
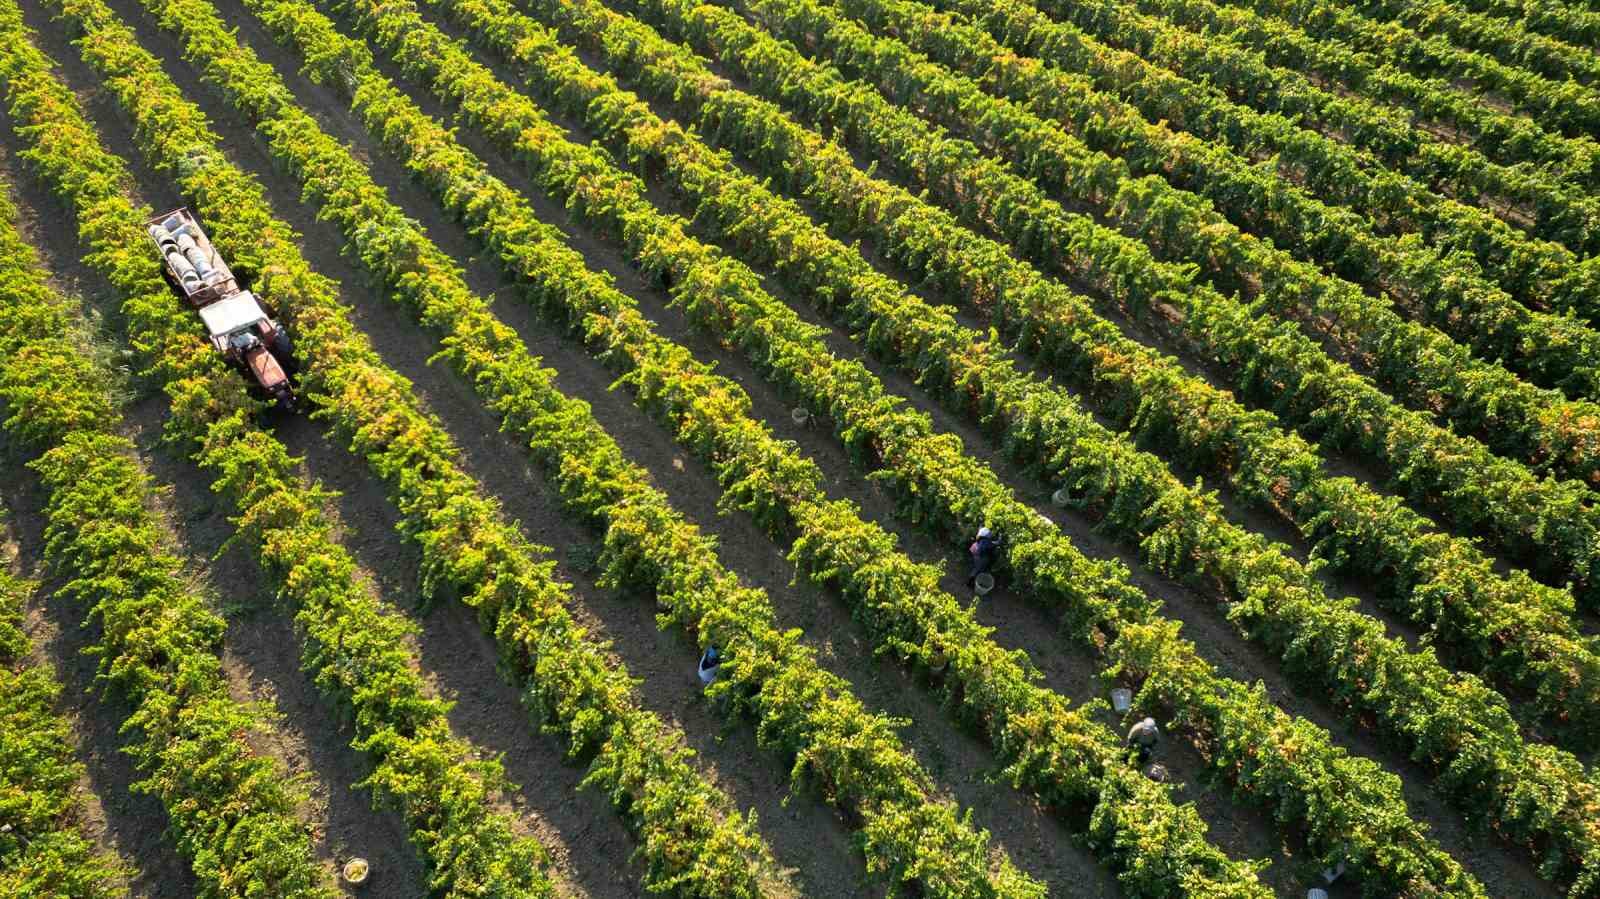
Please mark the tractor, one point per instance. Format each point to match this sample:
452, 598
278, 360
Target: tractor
243, 332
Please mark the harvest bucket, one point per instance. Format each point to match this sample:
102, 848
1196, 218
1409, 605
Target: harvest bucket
1158, 773
1121, 699
1061, 498
800, 415
1316, 893
983, 583
356, 871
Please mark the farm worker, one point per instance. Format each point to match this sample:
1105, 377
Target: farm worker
709, 662
984, 550
243, 341
1143, 737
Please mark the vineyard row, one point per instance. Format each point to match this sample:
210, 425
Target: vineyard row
692, 842
901, 441
1554, 211
1542, 273
1543, 522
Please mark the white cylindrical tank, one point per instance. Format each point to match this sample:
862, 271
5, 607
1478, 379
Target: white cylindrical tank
180, 264
196, 256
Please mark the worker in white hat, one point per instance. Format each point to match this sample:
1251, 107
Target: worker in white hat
1143, 737
985, 551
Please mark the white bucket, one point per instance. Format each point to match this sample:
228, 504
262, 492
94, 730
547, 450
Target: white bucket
1061, 498
1316, 893
356, 871
983, 583
800, 415
1121, 699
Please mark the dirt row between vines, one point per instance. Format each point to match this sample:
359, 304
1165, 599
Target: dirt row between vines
820, 845
589, 840
1216, 639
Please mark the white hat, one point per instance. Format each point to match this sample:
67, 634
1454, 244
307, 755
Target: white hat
983, 532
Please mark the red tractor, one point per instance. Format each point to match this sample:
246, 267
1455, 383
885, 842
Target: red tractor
239, 328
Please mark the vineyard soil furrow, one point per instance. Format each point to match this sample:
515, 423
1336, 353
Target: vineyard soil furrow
160, 642
1451, 295
47, 847
1352, 62
882, 787
928, 347
461, 71
882, 424
125, 822
1360, 335
483, 94
1545, 209
855, 293
571, 687
804, 833
1275, 364
1544, 273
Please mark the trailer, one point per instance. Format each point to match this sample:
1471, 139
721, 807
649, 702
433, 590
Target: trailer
239, 328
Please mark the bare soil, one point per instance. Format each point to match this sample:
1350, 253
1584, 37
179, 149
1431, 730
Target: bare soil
1216, 639
261, 648
590, 842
